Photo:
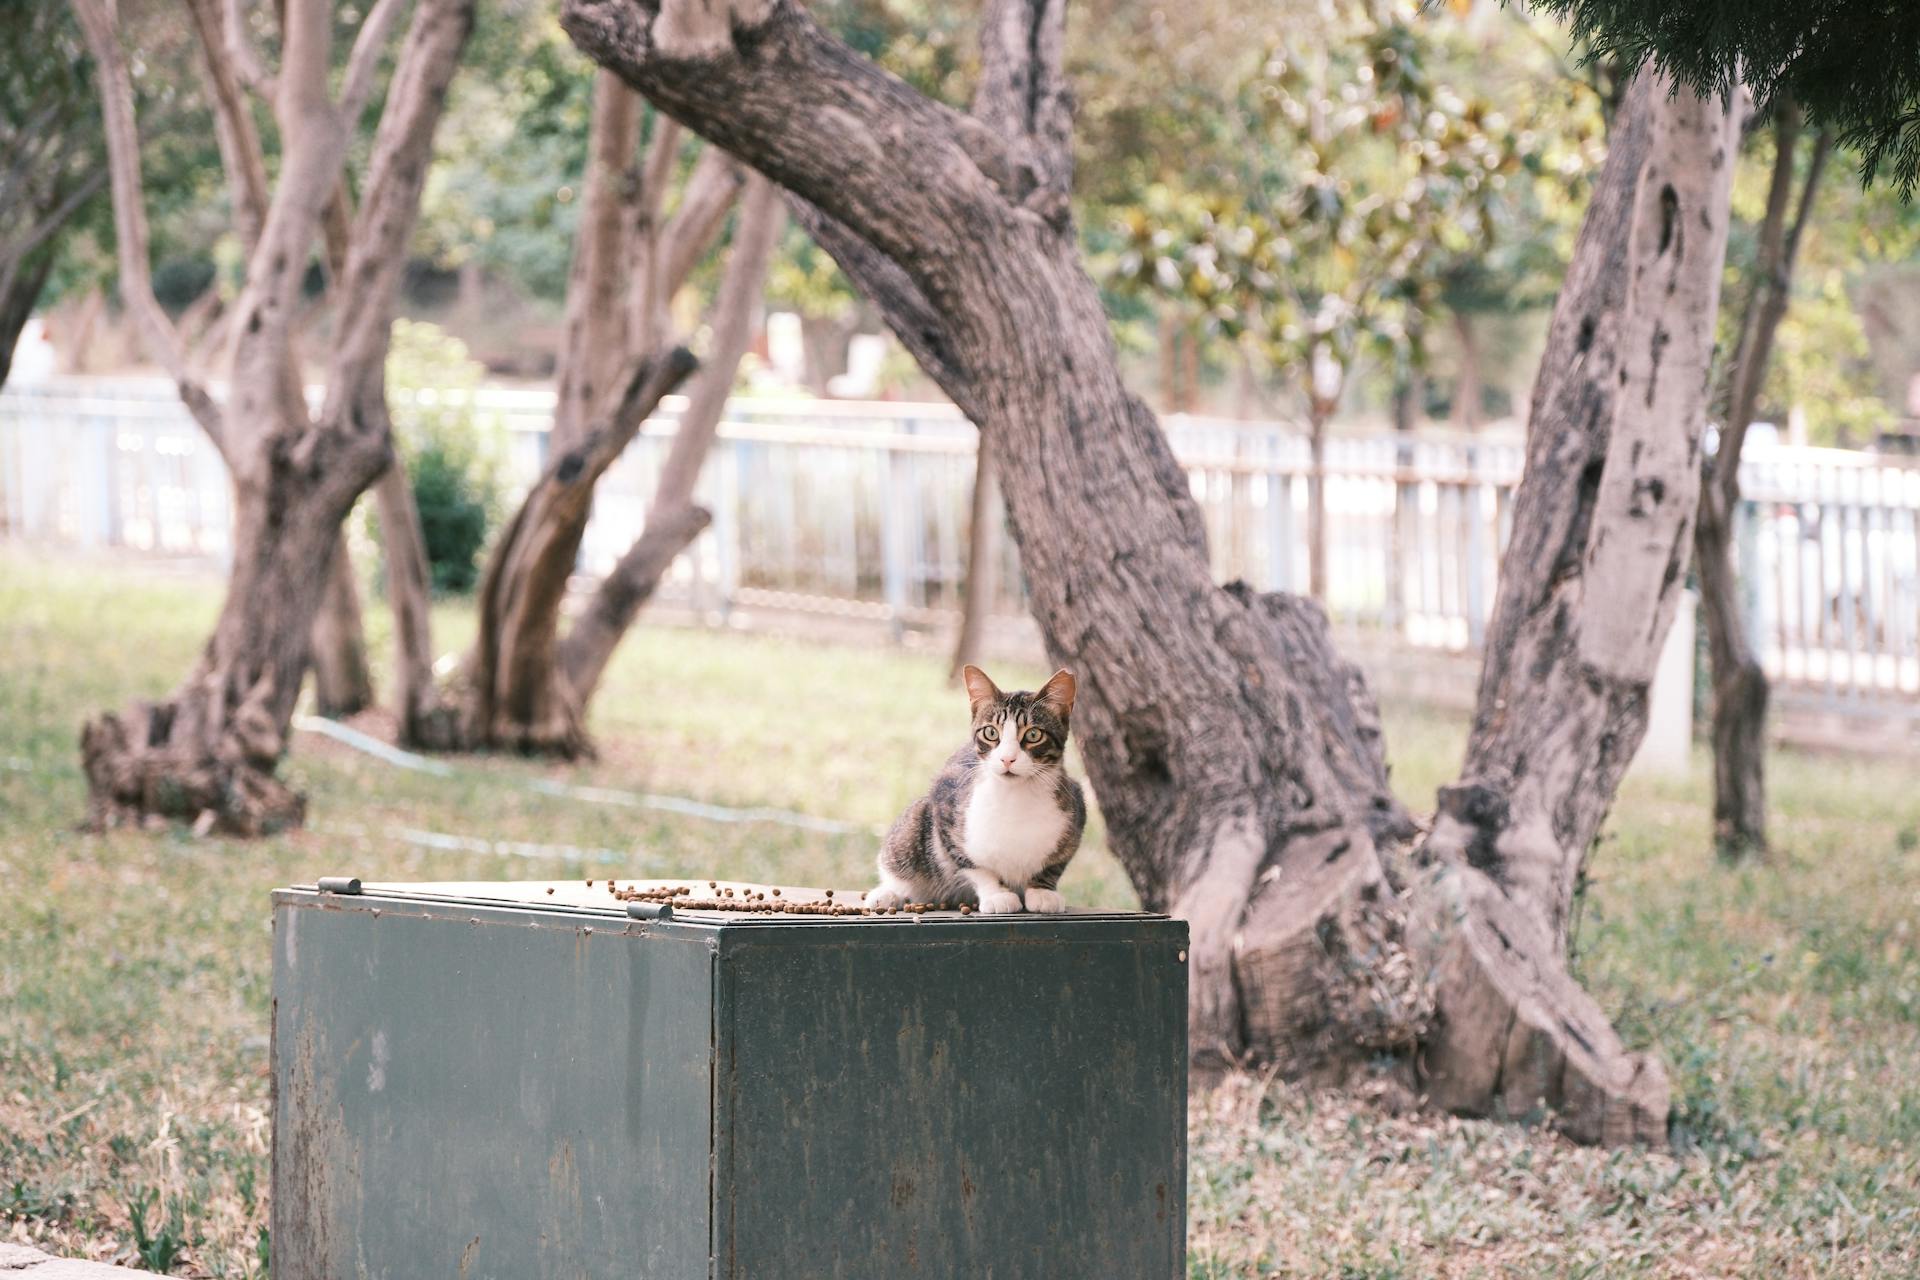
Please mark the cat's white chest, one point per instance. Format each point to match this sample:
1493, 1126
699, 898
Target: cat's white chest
1013, 826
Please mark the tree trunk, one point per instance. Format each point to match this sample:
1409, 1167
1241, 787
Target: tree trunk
1237, 759
1740, 692
596, 333
512, 695
1739, 717
520, 687
426, 721
824, 343
1603, 519
209, 753
1169, 352
1466, 390
342, 680
673, 520
20, 286
982, 563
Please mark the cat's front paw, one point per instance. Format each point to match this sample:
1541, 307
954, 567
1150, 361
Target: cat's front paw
1046, 902
885, 898
1002, 902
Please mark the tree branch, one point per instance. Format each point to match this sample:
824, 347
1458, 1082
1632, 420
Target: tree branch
664, 253
357, 83
244, 58
235, 131
857, 143
647, 320
390, 204
594, 344
711, 190
157, 333
1024, 96
1772, 292
40, 231
914, 321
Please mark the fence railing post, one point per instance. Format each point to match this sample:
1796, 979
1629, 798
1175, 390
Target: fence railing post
726, 525
1279, 517
893, 539
1476, 601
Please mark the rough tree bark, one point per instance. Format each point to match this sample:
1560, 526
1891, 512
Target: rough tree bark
1739, 715
1237, 759
337, 648
524, 687
209, 752
1602, 524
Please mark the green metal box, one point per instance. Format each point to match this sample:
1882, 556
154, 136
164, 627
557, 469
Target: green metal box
522, 1080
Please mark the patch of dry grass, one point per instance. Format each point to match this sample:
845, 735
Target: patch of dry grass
134, 968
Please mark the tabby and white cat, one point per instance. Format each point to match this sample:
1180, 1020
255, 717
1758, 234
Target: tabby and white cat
1003, 818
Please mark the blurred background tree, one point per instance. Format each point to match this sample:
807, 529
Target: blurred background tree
1357, 192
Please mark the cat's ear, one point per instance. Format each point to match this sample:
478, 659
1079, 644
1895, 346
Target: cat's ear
1057, 693
980, 690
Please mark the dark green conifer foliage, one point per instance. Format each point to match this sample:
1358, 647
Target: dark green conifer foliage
1852, 65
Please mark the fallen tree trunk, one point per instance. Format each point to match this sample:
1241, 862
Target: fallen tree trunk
1236, 758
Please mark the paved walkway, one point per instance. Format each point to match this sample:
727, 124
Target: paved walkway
18, 1262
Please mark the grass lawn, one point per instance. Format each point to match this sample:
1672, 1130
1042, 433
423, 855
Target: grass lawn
134, 967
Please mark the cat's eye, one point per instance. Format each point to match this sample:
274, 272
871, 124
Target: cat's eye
1033, 738
989, 734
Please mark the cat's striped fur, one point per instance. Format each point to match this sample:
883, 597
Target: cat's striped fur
1002, 819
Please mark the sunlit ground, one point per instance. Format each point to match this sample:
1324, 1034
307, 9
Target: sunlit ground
134, 967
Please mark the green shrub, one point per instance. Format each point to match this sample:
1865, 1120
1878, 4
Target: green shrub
453, 451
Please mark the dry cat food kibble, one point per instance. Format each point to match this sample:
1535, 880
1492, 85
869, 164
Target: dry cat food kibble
770, 902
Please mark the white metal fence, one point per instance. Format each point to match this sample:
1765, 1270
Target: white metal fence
859, 510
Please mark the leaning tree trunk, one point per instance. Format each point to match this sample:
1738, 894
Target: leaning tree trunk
1602, 527
512, 696
1739, 717
1237, 759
